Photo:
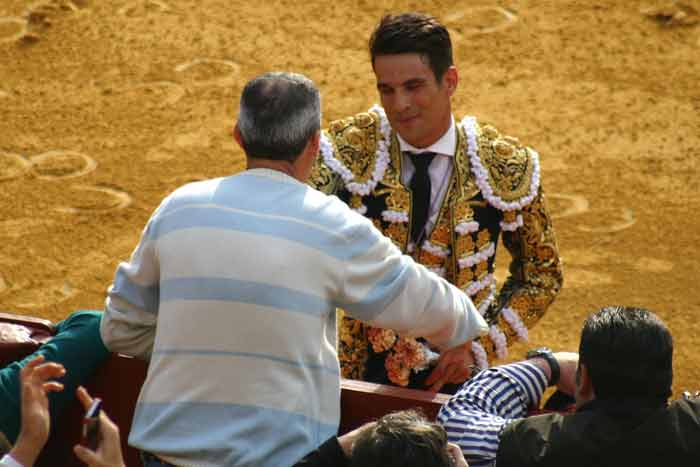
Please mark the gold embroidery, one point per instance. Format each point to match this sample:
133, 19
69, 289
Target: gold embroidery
355, 202
481, 270
398, 200
509, 216
465, 244
508, 164
398, 233
466, 275
463, 213
441, 235
428, 259
352, 347
483, 238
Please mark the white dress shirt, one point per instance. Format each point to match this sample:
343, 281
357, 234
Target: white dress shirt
439, 171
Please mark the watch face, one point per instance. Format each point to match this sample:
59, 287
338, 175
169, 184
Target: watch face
538, 352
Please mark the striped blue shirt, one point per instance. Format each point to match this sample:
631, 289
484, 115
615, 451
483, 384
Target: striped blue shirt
475, 416
232, 292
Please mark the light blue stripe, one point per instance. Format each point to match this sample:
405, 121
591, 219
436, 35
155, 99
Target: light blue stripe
305, 229
226, 434
383, 293
220, 353
233, 290
142, 297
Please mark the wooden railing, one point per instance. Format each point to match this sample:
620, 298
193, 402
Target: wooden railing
119, 381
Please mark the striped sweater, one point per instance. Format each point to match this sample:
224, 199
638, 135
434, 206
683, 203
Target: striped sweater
231, 293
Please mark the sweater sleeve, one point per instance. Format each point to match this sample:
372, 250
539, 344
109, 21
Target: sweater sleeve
387, 289
131, 309
475, 416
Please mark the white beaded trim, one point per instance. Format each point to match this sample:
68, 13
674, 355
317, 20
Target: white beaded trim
478, 257
483, 306
435, 250
512, 226
476, 286
500, 340
481, 174
395, 217
513, 319
381, 158
464, 228
480, 357
437, 270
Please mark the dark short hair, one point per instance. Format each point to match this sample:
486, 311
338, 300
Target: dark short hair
402, 439
279, 113
628, 353
413, 33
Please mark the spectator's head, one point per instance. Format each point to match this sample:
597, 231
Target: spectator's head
412, 61
402, 439
279, 117
625, 353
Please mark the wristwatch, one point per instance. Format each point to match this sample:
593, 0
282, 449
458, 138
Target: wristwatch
546, 353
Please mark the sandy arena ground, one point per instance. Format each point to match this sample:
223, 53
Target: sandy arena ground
107, 106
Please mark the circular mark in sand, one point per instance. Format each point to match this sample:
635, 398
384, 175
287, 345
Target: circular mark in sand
208, 71
50, 294
611, 220
166, 92
12, 29
480, 20
98, 199
567, 205
12, 165
142, 8
61, 164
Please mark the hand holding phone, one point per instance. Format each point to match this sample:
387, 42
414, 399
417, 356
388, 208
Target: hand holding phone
91, 425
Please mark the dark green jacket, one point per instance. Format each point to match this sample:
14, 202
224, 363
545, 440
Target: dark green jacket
603, 433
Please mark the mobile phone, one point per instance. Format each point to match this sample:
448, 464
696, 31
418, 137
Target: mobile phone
91, 425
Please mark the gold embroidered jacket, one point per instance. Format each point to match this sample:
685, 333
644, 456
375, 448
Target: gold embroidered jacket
494, 190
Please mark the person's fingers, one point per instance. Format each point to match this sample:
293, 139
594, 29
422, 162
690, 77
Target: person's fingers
48, 370
110, 431
438, 373
437, 385
53, 386
86, 455
456, 453
84, 397
459, 373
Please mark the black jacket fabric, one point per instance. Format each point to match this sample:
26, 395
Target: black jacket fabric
606, 433
329, 454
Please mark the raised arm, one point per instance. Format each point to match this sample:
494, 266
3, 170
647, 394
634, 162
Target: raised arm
476, 415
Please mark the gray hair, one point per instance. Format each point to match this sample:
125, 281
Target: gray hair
279, 113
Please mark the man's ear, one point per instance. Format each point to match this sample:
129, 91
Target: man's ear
315, 142
585, 385
237, 136
451, 79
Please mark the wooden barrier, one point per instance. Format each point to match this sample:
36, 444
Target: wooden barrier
119, 381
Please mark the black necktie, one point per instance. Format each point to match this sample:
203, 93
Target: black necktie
420, 187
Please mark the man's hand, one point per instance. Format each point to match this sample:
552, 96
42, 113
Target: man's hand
453, 367
568, 362
36, 421
457, 456
109, 451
